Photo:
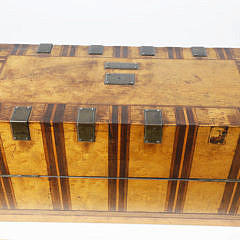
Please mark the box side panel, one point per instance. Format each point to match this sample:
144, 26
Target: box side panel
212, 160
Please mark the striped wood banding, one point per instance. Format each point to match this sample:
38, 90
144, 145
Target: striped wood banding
179, 53
7, 183
176, 158
236, 201
61, 155
170, 52
15, 49
64, 51
23, 49
116, 51
3, 201
220, 53
175, 53
229, 187
238, 65
112, 159
2, 64
125, 52
73, 51
50, 158
187, 160
124, 158
228, 53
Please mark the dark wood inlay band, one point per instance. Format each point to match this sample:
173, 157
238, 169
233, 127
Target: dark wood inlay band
124, 158
61, 155
112, 159
50, 158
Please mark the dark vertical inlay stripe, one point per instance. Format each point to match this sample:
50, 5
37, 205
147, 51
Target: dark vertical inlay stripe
170, 53
73, 51
228, 53
187, 161
22, 49
176, 157
112, 159
238, 65
50, 158
64, 52
3, 201
220, 53
233, 173
236, 201
124, 158
61, 155
7, 183
116, 51
179, 52
15, 48
125, 52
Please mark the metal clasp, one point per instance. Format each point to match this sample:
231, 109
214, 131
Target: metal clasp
19, 123
86, 124
153, 126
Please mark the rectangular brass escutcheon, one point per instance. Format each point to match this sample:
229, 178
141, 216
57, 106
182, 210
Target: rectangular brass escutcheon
120, 65
86, 124
119, 79
19, 123
199, 52
147, 51
95, 50
153, 126
45, 48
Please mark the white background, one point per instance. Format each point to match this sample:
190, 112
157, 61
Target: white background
210, 23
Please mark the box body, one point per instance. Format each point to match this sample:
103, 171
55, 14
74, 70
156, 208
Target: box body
190, 176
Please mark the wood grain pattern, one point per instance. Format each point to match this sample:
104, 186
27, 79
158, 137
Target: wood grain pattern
146, 195
89, 194
118, 217
87, 159
32, 193
203, 197
214, 160
150, 160
210, 86
32, 159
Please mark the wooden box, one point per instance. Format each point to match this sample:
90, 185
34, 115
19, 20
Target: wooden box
119, 134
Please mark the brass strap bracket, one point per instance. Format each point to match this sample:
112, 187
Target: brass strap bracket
19, 123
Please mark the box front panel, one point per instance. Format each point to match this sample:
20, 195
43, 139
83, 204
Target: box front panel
24, 157
150, 160
89, 194
153, 196
87, 158
32, 193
